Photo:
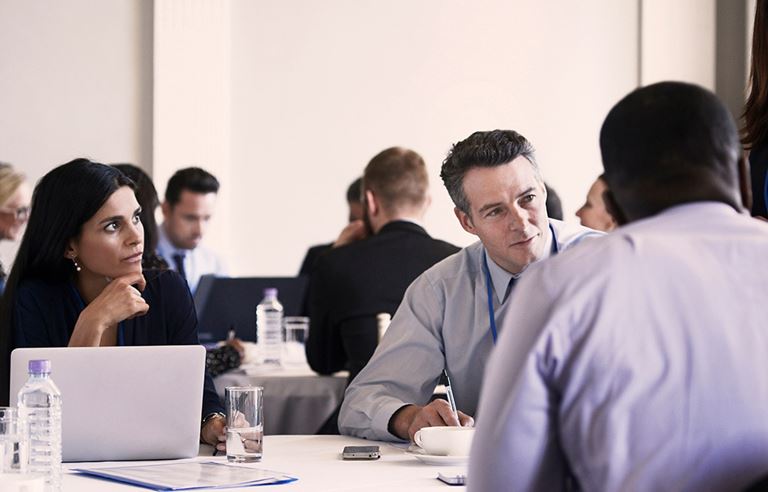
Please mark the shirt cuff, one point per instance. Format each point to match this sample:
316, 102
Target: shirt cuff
380, 423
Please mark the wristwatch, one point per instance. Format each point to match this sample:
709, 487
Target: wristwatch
210, 416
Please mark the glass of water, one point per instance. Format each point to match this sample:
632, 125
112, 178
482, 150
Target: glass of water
245, 423
296, 329
13, 457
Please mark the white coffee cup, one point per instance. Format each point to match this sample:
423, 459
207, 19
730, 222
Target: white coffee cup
445, 440
19, 482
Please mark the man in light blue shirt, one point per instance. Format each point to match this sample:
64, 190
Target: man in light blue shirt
640, 362
189, 203
447, 319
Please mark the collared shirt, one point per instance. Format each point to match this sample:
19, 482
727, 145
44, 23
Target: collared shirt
442, 323
197, 262
637, 362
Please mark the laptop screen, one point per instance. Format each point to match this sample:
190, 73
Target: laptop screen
225, 303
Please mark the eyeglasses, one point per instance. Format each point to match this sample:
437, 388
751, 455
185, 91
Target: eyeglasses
20, 214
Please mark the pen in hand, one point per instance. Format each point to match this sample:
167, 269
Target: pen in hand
451, 399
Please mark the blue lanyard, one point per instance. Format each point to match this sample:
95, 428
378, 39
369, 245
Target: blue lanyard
489, 287
120, 326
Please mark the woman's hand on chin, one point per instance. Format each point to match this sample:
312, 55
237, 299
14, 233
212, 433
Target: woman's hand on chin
120, 300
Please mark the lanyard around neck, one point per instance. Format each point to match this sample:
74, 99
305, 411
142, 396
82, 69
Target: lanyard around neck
489, 286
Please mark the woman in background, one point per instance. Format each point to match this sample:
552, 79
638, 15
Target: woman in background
77, 280
14, 208
594, 213
755, 131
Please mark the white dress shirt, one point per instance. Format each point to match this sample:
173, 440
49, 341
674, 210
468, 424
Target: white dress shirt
442, 323
638, 361
197, 262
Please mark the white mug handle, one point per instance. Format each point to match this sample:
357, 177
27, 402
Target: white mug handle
417, 438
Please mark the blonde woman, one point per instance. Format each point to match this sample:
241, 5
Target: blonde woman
14, 207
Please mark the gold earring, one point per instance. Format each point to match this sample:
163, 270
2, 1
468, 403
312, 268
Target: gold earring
77, 267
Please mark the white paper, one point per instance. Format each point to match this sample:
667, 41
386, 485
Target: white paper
189, 475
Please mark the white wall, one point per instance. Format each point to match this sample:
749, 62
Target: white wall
678, 41
192, 103
75, 80
318, 88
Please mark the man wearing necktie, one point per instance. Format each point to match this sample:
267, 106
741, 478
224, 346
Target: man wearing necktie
449, 316
189, 203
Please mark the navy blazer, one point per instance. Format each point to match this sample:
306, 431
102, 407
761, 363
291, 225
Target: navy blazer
45, 314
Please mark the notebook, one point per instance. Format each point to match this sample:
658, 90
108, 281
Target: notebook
123, 403
230, 302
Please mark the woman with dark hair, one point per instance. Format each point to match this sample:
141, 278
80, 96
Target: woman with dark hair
77, 280
594, 213
146, 194
755, 131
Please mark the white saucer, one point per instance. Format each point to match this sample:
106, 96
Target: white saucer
435, 459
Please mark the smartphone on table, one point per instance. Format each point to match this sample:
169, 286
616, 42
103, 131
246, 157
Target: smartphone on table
452, 478
360, 453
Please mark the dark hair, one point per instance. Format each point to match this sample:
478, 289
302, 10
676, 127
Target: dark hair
670, 143
63, 200
756, 108
355, 191
146, 195
398, 178
192, 179
554, 205
482, 149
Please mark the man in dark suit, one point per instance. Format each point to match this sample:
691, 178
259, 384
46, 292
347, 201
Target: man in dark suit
351, 284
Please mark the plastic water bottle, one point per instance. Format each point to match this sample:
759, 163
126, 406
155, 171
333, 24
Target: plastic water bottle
269, 327
39, 405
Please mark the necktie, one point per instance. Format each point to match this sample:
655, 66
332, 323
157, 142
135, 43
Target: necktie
178, 259
510, 285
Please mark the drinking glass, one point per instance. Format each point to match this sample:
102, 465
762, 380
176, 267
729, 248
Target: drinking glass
296, 329
245, 423
12, 444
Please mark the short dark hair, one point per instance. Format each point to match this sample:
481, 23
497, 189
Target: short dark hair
482, 149
355, 191
398, 178
670, 143
192, 179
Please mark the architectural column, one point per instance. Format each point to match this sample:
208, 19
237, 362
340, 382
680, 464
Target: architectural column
192, 99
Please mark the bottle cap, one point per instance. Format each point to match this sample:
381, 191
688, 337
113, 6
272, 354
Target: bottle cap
270, 292
42, 366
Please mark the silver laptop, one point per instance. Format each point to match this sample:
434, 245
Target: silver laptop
123, 403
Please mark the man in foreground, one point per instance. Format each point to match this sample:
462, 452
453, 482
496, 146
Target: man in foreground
639, 363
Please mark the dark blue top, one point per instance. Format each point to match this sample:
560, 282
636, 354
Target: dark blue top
45, 314
758, 168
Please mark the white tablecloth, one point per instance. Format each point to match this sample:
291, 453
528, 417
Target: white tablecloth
317, 463
296, 400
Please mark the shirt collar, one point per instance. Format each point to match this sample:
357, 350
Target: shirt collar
500, 278
164, 246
